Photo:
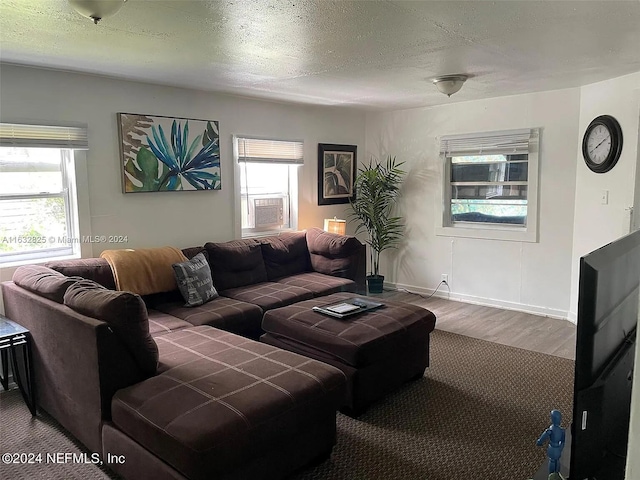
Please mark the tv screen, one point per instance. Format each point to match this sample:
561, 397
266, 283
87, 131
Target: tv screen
609, 297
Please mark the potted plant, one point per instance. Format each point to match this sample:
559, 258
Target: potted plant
377, 186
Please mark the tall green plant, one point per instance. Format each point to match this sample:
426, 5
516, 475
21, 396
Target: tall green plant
377, 187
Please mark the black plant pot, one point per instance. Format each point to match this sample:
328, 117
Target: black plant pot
375, 283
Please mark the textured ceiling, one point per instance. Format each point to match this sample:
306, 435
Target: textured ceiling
370, 54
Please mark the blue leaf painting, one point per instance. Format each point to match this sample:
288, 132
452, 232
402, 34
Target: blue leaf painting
187, 161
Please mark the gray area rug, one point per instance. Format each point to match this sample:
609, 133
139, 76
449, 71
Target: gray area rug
475, 415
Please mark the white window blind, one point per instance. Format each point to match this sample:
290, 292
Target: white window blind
258, 150
43, 136
511, 142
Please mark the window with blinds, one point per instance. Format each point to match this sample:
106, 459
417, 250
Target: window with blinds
490, 183
38, 208
268, 184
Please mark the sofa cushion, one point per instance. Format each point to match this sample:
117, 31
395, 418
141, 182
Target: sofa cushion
286, 254
268, 295
43, 281
161, 323
194, 281
191, 252
222, 397
165, 297
225, 313
96, 269
236, 263
333, 254
125, 312
319, 283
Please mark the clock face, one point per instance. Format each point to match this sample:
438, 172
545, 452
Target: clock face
599, 144
602, 144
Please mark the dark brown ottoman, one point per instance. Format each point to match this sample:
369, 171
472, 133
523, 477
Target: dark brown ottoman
378, 350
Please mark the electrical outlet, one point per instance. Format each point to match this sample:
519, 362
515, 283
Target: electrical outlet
445, 278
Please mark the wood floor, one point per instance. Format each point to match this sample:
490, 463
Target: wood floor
517, 329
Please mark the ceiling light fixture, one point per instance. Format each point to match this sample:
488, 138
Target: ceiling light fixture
449, 84
96, 10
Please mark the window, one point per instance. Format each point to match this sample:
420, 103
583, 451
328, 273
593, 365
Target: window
268, 184
38, 211
490, 185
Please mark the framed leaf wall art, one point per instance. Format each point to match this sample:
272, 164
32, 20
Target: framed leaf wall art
336, 173
168, 154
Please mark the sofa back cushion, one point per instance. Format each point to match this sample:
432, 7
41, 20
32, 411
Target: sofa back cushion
191, 252
96, 269
43, 281
333, 254
125, 312
286, 254
236, 263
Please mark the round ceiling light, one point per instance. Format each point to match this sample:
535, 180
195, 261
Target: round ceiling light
96, 10
450, 84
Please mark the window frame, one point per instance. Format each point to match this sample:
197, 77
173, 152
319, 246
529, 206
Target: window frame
294, 173
68, 194
491, 231
71, 142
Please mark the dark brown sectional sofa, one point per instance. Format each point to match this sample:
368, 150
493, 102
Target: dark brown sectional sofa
219, 404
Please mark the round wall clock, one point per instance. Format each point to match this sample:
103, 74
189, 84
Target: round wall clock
602, 143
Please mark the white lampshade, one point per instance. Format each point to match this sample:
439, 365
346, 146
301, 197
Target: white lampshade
335, 225
449, 84
96, 10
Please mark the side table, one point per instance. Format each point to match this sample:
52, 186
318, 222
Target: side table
14, 337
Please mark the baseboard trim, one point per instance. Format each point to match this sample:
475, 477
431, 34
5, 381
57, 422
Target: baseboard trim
487, 302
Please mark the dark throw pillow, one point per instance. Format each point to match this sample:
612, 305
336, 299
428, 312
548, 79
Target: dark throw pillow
194, 281
43, 281
125, 312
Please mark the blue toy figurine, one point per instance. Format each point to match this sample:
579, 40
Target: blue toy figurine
555, 434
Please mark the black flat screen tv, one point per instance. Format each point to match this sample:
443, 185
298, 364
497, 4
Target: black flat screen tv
608, 305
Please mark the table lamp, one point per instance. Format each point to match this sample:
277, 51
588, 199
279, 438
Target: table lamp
335, 225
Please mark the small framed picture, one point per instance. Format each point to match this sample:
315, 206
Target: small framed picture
336, 173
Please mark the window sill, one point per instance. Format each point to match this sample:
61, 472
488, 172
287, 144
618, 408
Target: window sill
513, 234
270, 233
38, 261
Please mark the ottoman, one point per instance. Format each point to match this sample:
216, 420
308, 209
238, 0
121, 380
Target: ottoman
378, 350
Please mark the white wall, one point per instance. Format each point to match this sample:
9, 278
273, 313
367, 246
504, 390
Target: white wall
168, 218
595, 224
174, 218
527, 276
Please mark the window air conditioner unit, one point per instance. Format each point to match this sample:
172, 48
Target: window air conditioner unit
268, 212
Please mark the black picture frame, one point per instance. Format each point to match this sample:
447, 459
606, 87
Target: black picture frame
336, 173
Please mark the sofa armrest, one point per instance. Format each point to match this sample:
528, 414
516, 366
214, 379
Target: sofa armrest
79, 363
338, 255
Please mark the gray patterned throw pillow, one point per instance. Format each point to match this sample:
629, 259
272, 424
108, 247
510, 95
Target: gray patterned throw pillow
194, 281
